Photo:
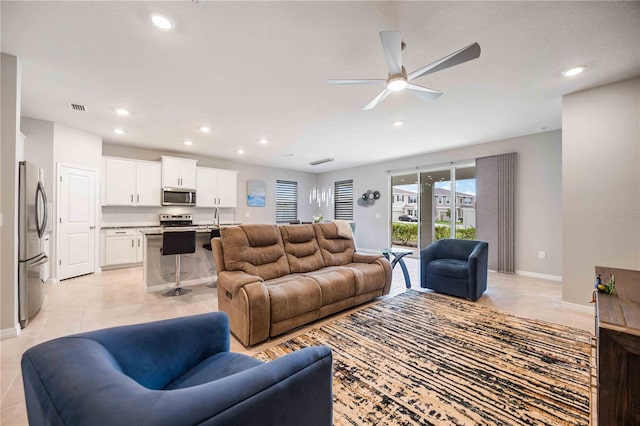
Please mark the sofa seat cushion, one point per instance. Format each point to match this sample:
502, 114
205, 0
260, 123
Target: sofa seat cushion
369, 276
213, 368
292, 295
336, 284
453, 268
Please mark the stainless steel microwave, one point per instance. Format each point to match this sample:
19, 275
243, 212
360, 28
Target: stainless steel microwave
178, 197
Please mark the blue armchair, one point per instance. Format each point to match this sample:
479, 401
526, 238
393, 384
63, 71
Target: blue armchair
172, 372
455, 267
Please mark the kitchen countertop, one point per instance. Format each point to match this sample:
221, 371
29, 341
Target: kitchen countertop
158, 231
129, 225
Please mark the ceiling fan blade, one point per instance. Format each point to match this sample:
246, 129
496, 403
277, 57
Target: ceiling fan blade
463, 55
423, 93
377, 99
360, 81
392, 46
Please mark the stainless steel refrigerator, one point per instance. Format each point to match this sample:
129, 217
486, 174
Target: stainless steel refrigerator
32, 221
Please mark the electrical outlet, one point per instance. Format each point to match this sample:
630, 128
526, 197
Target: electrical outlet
378, 215
246, 214
542, 254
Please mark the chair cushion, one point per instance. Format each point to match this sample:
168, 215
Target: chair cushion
213, 368
336, 284
449, 268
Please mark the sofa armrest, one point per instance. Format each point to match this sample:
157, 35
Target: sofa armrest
366, 257
233, 281
300, 380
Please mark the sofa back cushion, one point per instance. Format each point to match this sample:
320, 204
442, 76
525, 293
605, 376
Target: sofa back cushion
301, 246
254, 249
335, 250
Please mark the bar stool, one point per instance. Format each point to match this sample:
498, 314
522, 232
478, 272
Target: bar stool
177, 243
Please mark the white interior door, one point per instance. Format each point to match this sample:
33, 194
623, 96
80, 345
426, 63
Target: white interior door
76, 222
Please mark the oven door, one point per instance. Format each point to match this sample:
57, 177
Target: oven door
178, 197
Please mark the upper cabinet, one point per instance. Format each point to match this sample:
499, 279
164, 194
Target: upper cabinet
130, 182
178, 172
216, 187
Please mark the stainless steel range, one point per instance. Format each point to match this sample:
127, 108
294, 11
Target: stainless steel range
176, 220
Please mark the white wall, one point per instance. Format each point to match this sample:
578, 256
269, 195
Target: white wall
38, 148
538, 203
73, 147
10, 154
243, 213
601, 185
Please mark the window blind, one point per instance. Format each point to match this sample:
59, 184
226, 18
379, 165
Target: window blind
343, 193
286, 201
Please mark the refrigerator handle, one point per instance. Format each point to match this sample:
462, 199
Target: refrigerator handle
42, 261
41, 226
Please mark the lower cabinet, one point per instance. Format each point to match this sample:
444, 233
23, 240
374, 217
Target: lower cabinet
122, 246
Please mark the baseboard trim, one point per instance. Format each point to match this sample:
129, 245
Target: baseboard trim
584, 308
541, 276
10, 332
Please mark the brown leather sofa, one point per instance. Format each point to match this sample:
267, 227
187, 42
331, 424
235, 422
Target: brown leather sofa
272, 279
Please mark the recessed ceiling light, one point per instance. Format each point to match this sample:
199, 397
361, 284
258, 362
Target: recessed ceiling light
573, 71
122, 111
205, 129
401, 180
118, 131
397, 124
263, 141
288, 155
162, 22
188, 143
240, 151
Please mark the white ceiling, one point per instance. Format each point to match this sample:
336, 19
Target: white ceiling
259, 69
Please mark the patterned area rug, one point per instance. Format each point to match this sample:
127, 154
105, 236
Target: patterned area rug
425, 359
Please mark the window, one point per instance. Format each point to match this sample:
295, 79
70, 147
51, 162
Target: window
286, 201
413, 200
439, 200
447, 200
343, 209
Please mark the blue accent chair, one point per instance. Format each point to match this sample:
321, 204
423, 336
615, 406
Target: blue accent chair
173, 372
455, 267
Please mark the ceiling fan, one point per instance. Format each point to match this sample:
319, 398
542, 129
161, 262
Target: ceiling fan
398, 79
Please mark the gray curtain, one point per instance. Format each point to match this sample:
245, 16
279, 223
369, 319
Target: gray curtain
495, 209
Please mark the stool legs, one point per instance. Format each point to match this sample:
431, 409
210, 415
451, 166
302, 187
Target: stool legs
177, 290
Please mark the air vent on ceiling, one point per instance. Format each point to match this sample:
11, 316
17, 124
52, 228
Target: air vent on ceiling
324, 160
77, 107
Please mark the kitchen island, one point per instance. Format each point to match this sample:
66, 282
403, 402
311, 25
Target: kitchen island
159, 271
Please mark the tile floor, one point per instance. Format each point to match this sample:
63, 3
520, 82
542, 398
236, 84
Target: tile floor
117, 298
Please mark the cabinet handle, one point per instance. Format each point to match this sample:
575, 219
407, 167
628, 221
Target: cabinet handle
138, 198
138, 242
121, 232
131, 243
132, 198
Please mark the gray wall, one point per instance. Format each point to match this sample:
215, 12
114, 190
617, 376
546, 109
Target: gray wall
601, 197
38, 149
538, 200
10, 154
246, 172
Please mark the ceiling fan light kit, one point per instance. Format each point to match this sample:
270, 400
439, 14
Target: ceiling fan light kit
397, 80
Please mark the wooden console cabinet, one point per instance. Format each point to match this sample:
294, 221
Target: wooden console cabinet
618, 350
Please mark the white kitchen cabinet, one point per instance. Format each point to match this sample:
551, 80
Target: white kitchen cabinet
131, 182
139, 246
148, 189
179, 172
216, 187
120, 246
119, 181
227, 188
